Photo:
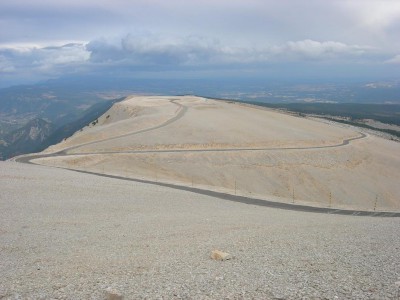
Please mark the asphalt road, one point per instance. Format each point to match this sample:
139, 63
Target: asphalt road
224, 196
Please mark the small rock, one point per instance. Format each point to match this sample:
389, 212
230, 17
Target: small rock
112, 294
219, 255
397, 283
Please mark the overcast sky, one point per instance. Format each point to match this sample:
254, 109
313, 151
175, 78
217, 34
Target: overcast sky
42, 39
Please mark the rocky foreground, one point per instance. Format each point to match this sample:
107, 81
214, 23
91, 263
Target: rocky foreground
67, 235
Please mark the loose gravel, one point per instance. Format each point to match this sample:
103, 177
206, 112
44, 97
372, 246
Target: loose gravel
67, 235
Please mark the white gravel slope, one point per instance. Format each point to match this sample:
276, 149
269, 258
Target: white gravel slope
301, 160
67, 235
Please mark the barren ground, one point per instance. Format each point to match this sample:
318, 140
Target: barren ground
239, 149
67, 235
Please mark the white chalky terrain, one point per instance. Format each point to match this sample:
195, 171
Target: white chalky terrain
73, 235
67, 235
237, 148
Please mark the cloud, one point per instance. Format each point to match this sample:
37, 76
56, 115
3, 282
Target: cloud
159, 35
153, 50
234, 22
69, 54
374, 15
320, 50
151, 53
394, 60
43, 60
6, 65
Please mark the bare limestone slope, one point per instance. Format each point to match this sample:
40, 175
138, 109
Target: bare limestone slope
237, 149
67, 235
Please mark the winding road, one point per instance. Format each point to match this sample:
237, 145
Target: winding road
225, 196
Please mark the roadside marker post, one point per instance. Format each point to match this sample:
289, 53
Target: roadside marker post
293, 194
235, 187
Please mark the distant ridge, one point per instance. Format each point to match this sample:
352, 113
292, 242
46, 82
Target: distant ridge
27, 138
69, 129
38, 134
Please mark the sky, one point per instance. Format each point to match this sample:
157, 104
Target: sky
43, 39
